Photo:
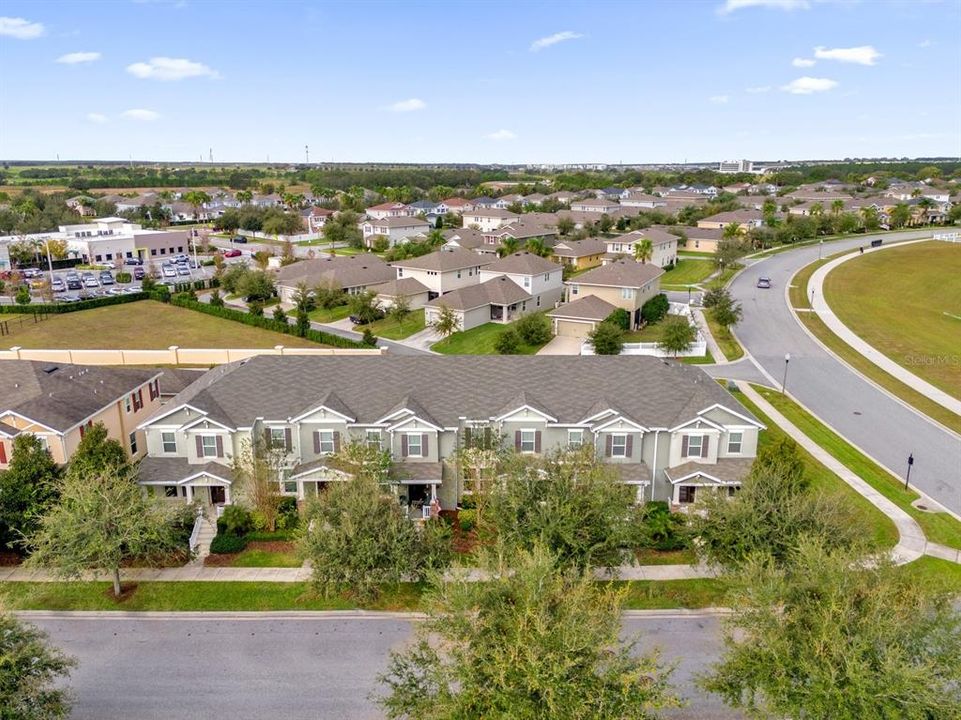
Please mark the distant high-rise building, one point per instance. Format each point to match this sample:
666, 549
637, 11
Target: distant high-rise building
735, 166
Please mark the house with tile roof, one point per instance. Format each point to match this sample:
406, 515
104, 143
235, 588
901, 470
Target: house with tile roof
667, 429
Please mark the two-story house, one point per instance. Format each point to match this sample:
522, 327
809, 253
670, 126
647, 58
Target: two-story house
442, 271
671, 431
387, 210
57, 402
663, 245
488, 219
579, 254
625, 284
539, 277
395, 230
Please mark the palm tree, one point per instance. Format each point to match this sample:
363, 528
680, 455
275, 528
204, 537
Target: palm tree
837, 207
817, 210
536, 246
197, 198
509, 245
244, 196
643, 250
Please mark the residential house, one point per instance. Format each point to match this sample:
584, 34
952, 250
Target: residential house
467, 238
563, 196
425, 208
698, 239
643, 200
352, 273
447, 269
315, 218
668, 429
411, 289
498, 299
624, 283
539, 277
612, 193
744, 219
82, 205
388, 210
594, 206
581, 317
488, 219
533, 199
521, 231
505, 201
457, 205
663, 245
395, 229
579, 254
58, 402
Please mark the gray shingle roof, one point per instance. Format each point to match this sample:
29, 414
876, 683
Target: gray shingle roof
621, 273
402, 286
343, 271
651, 391
523, 263
448, 258
171, 470
589, 307
498, 291
60, 395
580, 248
725, 469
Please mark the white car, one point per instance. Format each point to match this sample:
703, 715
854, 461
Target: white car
91, 283
169, 272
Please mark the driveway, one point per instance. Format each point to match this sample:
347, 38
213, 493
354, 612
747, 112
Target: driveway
562, 346
868, 417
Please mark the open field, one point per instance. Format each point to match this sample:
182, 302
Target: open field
914, 315
144, 325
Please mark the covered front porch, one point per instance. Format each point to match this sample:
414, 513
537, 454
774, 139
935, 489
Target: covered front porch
417, 488
177, 480
311, 479
692, 480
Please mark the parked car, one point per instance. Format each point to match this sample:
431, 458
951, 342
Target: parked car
70, 298
133, 261
106, 278
183, 270
764, 283
74, 283
30, 273
168, 271
238, 239
58, 285
181, 259
91, 282
139, 273
232, 253
116, 291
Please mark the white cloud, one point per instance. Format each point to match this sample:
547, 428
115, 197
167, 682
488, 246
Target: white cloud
97, 118
927, 43
164, 68
409, 105
719, 99
501, 135
76, 58
803, 62
730, 6
20, 29
809, 85
546, 42
758, 89
141, 114
862, 55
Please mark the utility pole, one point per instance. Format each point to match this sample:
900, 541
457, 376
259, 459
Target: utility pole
211, 153
307, 154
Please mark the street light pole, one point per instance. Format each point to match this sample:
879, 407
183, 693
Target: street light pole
787, 359
907, 478
820, 245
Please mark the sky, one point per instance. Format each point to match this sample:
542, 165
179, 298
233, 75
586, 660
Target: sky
481, 82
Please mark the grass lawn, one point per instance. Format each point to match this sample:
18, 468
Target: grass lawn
936, 572
649, 333
392, 330
667, 594
687, 271
938, 527
328, 315
478, 341
705, 359
914, 315
724, 277
798, 294
881, 530
254, 557
695, 254
724, 338
145, 325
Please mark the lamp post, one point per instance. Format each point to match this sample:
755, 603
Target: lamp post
820, 245
907, 477
787, 359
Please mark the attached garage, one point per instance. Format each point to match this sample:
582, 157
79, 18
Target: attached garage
573, 328
578, 318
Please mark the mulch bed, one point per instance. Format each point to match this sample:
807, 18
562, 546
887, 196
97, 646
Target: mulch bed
8, 558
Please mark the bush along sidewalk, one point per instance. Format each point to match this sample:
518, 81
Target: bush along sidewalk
266, 323
60, 308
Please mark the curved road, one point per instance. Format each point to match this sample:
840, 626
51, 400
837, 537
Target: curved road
865, 415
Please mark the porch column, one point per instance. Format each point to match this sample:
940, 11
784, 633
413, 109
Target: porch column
639, 494
227, 495
190, 494
433, 491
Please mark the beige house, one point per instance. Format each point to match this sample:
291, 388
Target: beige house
499, 300
450, 268
488, 219
744, 219
700, 239
663, 245
579, 318
352, 273
579, 254
624, 283
57, 402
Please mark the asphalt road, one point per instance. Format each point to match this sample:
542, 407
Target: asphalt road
865, 415
225, 666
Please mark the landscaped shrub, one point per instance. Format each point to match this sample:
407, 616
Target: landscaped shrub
467, 519
59, 308
534, 329
287, 514
215, 299
508, 342
662, 529
621, 318
370, 340
235, 520
223, 544
23, 295
124, 277
655, 309
256, 309
279, 314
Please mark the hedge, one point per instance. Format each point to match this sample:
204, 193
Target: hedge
266, 323
60, 308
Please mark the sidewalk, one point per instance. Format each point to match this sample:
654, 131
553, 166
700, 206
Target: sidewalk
911, 541
824, 312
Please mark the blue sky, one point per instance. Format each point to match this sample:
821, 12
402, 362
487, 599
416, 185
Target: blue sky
480, 82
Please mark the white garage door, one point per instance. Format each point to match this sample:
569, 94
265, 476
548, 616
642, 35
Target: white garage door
569, 328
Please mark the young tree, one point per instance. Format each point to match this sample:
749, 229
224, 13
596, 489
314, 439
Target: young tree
537, 246
447, 322
508, 342
654, 310
677, 335
303, 304
606, 339
256, 285
825, 637
729, 251
508, 246
257, 472
97, 451
23, 295
102, 518
727, 313
643, 250
534, 328
358, 537
30, 669
715, 296
196, 198
27, 488
532, 642
215, 299
565, 226
342, 229
400, 309
363, 307
329, 294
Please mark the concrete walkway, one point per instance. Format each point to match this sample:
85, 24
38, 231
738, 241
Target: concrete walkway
823, 310
712, 346
562, 345
422, 340
911, 541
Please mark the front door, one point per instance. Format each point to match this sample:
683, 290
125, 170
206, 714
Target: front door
217, 495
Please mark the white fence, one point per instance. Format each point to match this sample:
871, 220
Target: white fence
173, 355
697, 349
280, 238
954, 237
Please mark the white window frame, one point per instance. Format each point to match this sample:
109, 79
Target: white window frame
212, 448
731, 443
164, 443
619, 442
326, 441
419, 443
532, 442
275, 442
284, 489
700, 444
132, 442
627, 293
573, 444
373, 439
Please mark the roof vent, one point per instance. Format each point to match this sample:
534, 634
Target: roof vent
50, 369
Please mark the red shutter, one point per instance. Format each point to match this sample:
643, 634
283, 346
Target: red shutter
82, 429
316, 442
288, 441
609, 446
517, 440
336, 441
403, 446
200, 446
683, 445
705, 439
140, 397
423, 445
220, 446
3, 454
630, 446
537, 441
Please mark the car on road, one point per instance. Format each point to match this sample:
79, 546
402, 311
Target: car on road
764, 283
238, 239
232, 253
139, 273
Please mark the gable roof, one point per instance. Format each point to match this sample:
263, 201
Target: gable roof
522, 263
497, 291
621, 273
345, 271
589, 307
401, 286
447, 258
580, 248
657, 236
